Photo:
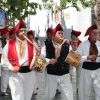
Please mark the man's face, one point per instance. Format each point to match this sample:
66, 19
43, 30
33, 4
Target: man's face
49, 36
73, 37
57, 37
94, 35
31, 36
21, 32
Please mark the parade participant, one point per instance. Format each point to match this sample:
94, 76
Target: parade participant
30, 34
74, 37
17, 56
49, 36
90, 71
49, 39
57, 70
11, 33
4, 72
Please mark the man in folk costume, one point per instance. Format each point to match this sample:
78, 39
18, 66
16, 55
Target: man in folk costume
74, 38
4, 72
49, 36
30, 34
17, 56
57, 75
11, 33
90, 71
48, 40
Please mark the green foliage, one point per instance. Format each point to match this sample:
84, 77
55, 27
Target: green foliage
17, 9
64, 4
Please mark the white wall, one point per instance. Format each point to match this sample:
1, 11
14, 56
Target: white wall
70, 22
79, 21
84, 20
40, 22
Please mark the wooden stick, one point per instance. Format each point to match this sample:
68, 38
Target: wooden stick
23, 63
30, 42
65, 39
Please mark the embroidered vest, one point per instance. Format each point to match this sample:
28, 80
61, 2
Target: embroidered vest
61, 67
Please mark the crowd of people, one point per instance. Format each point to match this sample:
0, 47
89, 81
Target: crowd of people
17, 53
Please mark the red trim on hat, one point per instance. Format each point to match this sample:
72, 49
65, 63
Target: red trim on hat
89, 30
76, 32
11, 31
21, 22
49, 30
55, 30
30, 32
4, 30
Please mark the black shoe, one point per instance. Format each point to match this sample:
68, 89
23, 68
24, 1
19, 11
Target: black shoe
4, 94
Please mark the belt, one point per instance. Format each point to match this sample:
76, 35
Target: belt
91, 65
24, 69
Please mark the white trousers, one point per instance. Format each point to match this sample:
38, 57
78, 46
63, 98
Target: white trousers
4, 79
62, 82
89, 78
35, 81
71, 71
21, 85
78, 73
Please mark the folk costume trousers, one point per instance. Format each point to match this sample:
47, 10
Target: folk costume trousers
21, 85
63, 83
4, 79
89, 78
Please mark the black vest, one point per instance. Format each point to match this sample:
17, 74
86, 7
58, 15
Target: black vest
47, 41
61, 67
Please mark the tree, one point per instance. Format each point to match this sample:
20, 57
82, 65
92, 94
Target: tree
17, 9
64, 4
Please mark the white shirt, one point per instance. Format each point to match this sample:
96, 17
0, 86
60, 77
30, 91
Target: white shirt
43, 51
4, 59
83, 50
0, 47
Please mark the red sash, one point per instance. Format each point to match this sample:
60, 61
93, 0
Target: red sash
12, 52
78, 42
0, 56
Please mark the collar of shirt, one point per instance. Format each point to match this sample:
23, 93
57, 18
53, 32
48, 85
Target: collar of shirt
56, 45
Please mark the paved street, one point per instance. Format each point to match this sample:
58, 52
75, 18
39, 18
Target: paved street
41, 80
